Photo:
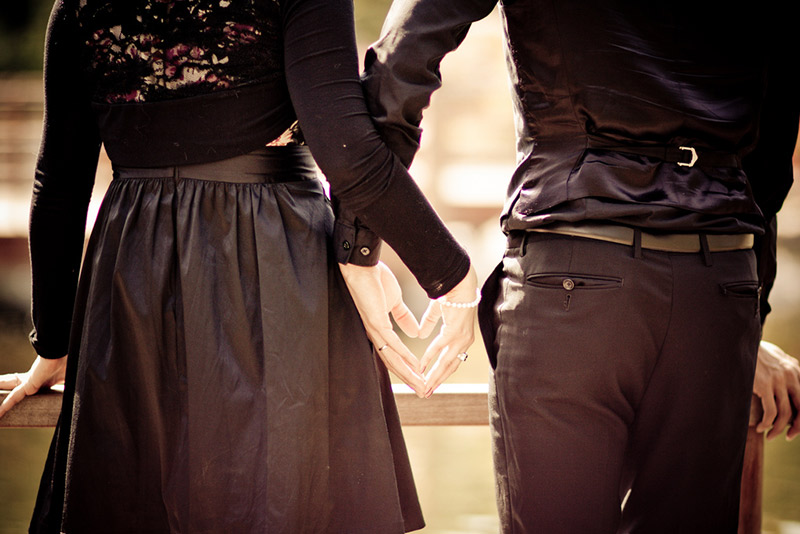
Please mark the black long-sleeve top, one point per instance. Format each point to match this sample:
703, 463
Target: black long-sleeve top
609, 97
169, 82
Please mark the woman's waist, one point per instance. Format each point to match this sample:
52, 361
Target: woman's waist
268, 164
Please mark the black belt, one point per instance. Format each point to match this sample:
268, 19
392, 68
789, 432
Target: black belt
271, 164
624, 235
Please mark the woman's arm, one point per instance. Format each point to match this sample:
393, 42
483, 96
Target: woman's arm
62, 187
365, 176
372, 183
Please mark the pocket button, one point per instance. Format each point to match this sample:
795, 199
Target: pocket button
568, 284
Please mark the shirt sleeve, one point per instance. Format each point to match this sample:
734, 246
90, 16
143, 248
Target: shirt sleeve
402, 67
365, 176
62, 187
766, 249
769, 166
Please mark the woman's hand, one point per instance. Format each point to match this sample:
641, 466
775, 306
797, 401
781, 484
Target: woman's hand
777, 383
377, 294
449, 348
43, 373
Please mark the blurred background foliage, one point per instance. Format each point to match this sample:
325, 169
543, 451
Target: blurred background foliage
22, 24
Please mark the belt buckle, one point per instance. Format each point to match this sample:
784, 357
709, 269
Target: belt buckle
694, 156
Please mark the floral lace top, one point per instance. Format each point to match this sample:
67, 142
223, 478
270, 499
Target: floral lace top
170, 82
150, 50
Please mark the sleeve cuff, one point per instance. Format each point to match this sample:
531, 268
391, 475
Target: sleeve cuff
356, 244
45, 352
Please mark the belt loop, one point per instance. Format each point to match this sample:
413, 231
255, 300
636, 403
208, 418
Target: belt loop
637, 243
176, 174
524, 243
705, 250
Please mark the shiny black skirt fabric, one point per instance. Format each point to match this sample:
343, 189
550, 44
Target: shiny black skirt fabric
220, 379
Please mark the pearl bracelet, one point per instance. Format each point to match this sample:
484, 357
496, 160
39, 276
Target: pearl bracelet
474, 304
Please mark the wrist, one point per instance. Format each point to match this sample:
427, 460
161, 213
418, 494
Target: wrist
452, 303
465, 292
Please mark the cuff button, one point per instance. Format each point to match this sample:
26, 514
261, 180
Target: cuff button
365, 251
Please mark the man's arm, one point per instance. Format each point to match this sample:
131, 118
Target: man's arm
402, 71
402, 67
769, 166
770, 173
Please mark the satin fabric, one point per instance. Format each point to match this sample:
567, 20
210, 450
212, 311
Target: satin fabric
586, 75
220, 377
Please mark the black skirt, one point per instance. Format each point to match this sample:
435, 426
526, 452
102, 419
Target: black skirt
219, 377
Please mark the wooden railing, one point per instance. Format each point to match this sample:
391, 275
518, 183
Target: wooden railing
453, 404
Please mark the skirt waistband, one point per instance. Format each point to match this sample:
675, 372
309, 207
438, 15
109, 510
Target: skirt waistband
269, 164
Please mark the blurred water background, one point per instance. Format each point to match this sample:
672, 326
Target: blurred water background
464, 166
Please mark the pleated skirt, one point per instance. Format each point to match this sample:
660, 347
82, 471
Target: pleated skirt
219, 377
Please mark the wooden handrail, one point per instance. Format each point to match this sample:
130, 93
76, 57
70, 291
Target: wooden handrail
38, 411
453, 404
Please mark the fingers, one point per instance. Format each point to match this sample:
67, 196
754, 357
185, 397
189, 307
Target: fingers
443, 351
399, 367
377, 295
400, 348
770, 412
16, 395
429, 319
405, 319
784, 415
455, 337
394, 298
777, 382
432, 353
43, 373
794, 397
794, 419
10, 381
794, 429
441, 371
23, 388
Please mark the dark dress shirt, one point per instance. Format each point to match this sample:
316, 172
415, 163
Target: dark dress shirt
612, 100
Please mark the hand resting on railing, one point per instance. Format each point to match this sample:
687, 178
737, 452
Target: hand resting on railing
777, 384
43, 373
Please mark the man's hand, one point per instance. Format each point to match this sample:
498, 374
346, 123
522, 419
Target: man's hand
777, 383
377, 294
43, 373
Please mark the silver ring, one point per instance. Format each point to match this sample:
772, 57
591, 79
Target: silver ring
462, 356
383, 347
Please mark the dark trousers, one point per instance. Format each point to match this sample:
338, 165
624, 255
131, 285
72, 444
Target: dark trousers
619, 376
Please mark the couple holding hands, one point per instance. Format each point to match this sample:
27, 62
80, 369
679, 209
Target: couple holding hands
219, 375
